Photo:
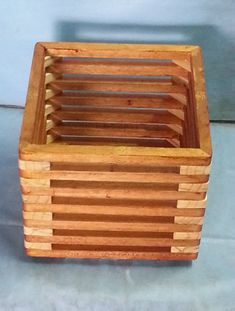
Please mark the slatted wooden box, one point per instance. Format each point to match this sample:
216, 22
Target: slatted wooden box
115, 152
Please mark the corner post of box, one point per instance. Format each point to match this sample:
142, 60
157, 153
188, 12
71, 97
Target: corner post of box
36, 208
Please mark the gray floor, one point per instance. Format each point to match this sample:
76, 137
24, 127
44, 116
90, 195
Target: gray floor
36, 284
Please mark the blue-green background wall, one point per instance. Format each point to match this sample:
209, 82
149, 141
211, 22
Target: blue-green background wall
210, 24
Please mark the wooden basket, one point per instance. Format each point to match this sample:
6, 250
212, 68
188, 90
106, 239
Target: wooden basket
115, 151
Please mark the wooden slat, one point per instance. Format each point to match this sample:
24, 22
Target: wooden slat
37, 232
48, 60
34, 165
191, 204
37, 199
34, 182
158, 132
51, 138
114, 67
145, 51
108, 185
195, 170
117, 100
114, 141
115, 176
184, 249
50, 109
179, 113
188, 220
111, 255
49, 77
50, 93
115, 154
114, 210
131, 234
186, 235
183, 63
37, 215
117, 86
35, 245
193, 187
84, 192
112, 226
131, 167
111, 241
116, 125
160, 117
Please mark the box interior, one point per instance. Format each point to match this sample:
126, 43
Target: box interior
118, 101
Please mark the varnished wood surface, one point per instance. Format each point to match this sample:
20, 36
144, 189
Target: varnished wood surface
115, 152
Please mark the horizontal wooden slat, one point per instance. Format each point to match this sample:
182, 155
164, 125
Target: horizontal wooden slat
37, 232
122, 126
178, 113
117, 67
199, 187
50, 93
114, 241
159, 117
114, 210
38, 215
105, 185
114, 141
115, 176
115, 154
117, 125
39, 199
191, 204
34, 165
35, 182
50, 108
195, 170
111, 255
184, 249
116, 78
36, 245
102, 166
117, 100
187, 235
158, 132
125, 248
188, 220
112, 226
117, 86
84, 192
103, 233
49, 77
102, 218
48, 60
149, 51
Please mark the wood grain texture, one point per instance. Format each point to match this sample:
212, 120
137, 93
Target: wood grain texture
37, 246
184, 249
37, 232
110, 241
129, 210
115, 152
111, 255
34, 165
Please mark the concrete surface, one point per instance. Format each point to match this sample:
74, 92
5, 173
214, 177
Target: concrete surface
57, 284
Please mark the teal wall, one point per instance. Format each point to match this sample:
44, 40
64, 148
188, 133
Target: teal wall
210, 24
